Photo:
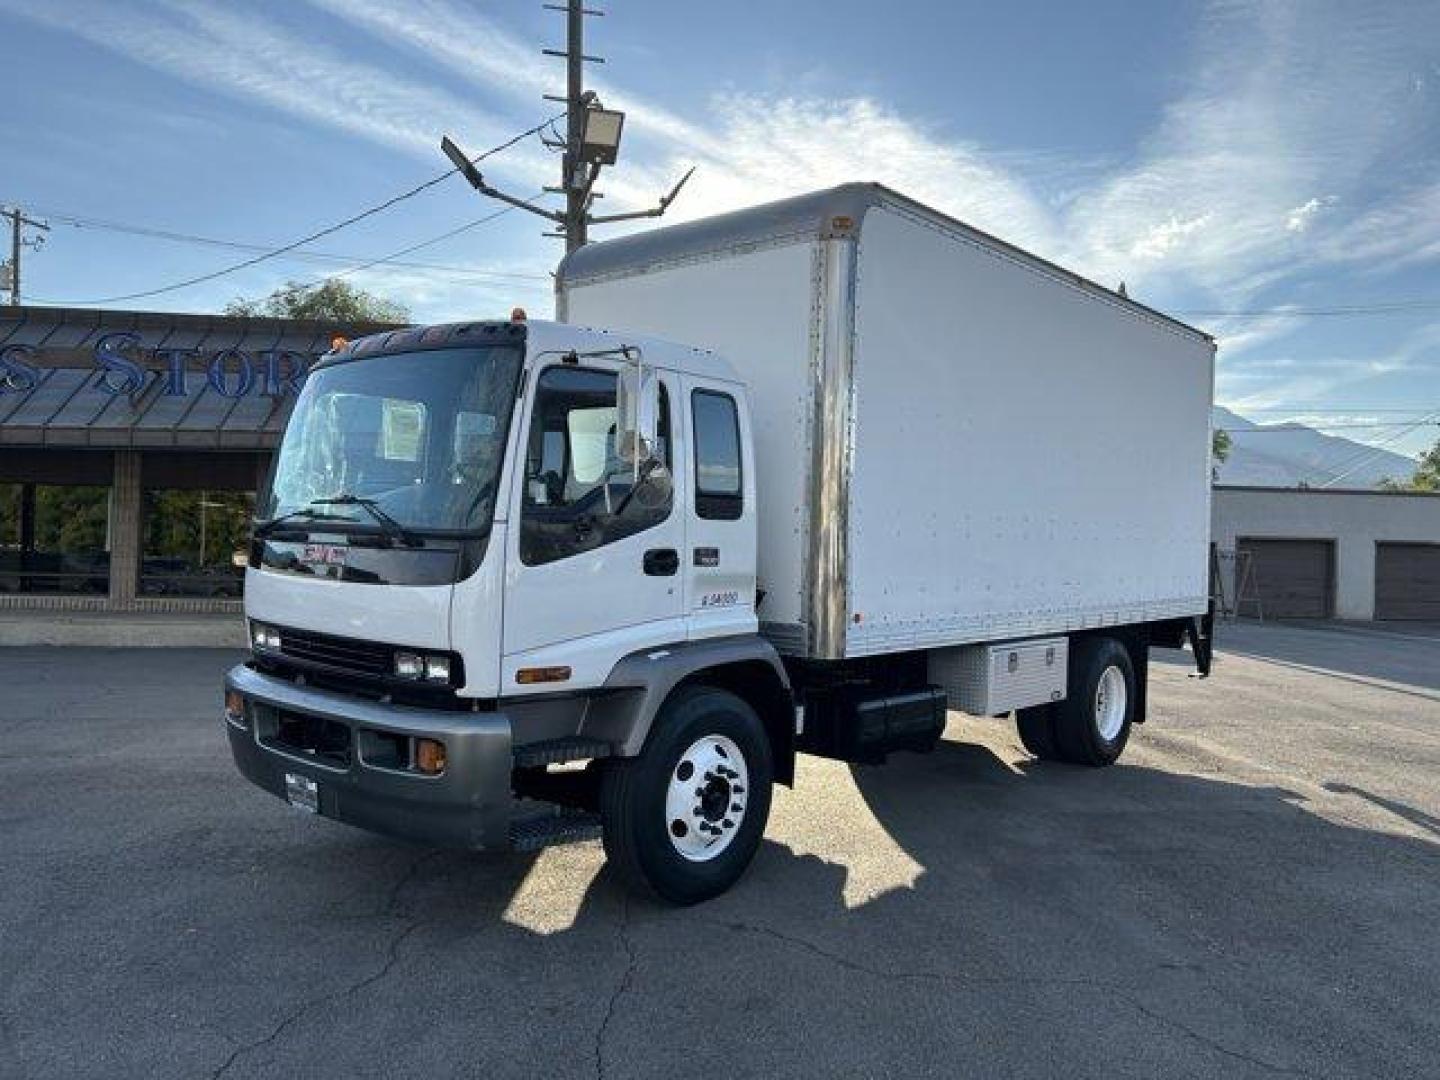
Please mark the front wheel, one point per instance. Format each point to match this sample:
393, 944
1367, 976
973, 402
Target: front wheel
683, 820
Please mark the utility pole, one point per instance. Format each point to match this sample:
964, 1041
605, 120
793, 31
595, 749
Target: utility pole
18, 221
592, 141
576, 198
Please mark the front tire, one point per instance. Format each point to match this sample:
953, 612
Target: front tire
1092, 724
683, 820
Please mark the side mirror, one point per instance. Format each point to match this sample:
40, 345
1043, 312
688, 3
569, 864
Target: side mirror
637, 413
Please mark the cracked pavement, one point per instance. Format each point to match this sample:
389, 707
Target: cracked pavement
1254, 891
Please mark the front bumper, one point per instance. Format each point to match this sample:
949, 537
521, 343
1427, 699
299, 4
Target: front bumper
467, 805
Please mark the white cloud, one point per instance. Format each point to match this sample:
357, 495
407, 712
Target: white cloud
1292, 381
1165, 237
1221, 200
223, 49
1301, 217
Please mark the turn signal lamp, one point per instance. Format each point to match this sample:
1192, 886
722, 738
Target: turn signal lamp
518, 314
338, 342
429, 756
528, 676
235, 707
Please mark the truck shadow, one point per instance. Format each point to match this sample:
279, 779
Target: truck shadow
1120, 915
964, 911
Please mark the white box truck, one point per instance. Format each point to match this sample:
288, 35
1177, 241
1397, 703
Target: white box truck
517, 583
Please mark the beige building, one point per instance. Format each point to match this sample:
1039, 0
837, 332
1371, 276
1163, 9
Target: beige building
1322, 553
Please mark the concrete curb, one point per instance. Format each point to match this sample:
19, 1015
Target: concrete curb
117, 630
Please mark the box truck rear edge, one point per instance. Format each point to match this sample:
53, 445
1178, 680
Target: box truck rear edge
898, 466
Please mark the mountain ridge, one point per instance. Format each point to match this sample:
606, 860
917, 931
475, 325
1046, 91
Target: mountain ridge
1292, 455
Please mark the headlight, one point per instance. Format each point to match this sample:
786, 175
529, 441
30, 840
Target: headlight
264, 637
422, 666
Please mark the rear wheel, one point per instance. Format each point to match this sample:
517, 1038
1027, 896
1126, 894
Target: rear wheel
1092, 724
683, 820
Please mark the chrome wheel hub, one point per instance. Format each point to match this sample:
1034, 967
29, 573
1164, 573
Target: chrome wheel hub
706, 798
1110, 700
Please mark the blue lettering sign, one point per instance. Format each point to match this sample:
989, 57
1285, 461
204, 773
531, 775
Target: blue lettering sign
112, 363
16, 376
217, 372
125, 366
174, 361
296, 366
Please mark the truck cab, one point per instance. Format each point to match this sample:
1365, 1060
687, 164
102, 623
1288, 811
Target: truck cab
488, 556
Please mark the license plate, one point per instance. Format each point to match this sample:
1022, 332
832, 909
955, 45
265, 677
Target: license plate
302, 793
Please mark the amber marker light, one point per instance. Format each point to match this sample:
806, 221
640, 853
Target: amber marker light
528, 676
429, 756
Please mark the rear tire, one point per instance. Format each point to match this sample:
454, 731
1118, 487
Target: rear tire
1092, 724
671, 826
1036, 726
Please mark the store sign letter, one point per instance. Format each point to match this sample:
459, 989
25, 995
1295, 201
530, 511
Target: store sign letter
124, 366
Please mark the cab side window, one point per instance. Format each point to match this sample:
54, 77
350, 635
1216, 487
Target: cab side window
719, 486
579, 493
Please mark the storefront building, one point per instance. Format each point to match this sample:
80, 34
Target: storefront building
131, 448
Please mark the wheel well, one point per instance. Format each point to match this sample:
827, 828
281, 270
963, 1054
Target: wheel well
756, 683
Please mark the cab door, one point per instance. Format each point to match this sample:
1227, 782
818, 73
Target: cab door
593, 567
720, 511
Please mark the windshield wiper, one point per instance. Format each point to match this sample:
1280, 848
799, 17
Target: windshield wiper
265, 528
391, 527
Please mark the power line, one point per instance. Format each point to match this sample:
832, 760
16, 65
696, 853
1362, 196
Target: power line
81, 222
1279, 428
318, 234
1376, 451
389, 260
1307, 410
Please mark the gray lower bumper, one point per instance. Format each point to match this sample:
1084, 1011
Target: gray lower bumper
468, 805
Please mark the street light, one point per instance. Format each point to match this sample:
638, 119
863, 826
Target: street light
600, 136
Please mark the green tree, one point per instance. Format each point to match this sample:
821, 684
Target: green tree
1220, 444
332, 298
1426, 476
1219, 451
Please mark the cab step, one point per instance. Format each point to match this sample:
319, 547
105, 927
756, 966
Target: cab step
558, 751
544, 830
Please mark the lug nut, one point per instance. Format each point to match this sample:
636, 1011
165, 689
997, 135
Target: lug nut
729, 824
736, 808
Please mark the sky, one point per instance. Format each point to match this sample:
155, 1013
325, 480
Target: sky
1255, 168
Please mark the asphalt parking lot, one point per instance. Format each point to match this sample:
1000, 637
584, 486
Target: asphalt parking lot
1254, 891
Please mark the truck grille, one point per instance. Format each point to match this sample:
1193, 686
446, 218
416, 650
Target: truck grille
347, 654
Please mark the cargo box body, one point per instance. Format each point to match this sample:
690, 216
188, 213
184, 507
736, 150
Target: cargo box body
955, 441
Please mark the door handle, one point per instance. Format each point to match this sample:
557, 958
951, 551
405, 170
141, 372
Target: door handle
662, 562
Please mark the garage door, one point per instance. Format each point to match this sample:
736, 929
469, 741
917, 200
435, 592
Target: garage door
1407, 581
1294, 579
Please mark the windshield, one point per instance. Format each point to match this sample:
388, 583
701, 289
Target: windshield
417, 438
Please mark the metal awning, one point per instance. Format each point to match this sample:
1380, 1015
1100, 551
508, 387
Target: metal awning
54, 364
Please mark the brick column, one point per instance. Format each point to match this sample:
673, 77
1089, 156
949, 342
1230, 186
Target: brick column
125, 528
